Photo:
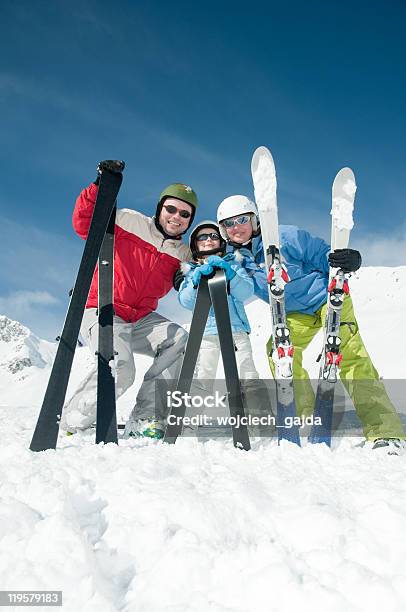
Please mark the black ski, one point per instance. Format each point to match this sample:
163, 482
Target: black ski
212, 291
46, 431
106, 420
218, 294
199, 320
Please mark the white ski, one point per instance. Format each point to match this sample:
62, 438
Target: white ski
343, 195
264, 179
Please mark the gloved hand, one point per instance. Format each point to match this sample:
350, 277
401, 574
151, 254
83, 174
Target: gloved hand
219, 262
178, 279
349, 260
203, 270
109, 165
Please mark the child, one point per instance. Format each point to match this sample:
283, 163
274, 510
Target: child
208, 250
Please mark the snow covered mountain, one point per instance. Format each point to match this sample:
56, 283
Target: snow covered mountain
19, 348
194, 527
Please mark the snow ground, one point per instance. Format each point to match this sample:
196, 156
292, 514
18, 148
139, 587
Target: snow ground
197, 526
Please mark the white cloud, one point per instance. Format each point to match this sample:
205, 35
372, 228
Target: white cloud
21, 304
383, 250
28, 298
37, 260
38, 269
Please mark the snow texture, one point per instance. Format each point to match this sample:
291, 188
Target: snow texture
196, 527
343, 199
263, 173
342, 213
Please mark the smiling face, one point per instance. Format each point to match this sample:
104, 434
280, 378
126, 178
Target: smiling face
239, 233
174, 221
209, 243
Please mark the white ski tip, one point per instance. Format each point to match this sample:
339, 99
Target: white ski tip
345, 181
261, 153
346, 170
264, 179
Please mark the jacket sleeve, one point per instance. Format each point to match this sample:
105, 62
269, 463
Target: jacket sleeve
302, 246
241, 285
187, 293
83, 212
257, 273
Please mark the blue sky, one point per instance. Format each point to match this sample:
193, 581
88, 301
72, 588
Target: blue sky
186, 93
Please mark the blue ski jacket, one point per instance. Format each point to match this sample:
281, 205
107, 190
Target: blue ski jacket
305, 257
241, 288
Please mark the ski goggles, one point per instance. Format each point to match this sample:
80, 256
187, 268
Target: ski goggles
237, 221
185, 214
204, 237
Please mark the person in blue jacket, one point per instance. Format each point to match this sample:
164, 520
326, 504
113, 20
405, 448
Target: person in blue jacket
208, 250
308, 260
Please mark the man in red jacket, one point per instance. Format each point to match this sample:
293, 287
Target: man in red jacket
147, 254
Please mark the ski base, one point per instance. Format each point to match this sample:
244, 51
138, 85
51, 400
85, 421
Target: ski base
106, 419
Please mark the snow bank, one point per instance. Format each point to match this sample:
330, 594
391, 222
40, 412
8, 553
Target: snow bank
151, 527
194, 527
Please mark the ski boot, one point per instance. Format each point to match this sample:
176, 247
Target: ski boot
143, 428
392, 446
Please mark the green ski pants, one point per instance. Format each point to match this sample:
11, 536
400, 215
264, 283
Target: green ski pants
358, 375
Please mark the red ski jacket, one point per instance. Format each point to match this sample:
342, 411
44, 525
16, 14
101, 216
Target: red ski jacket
144, 261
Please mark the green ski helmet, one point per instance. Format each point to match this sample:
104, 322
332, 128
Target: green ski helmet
181, 192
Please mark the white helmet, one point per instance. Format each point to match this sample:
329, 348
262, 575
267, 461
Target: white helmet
232, 207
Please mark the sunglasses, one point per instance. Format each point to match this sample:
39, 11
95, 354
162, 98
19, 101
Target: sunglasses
238, 221
204, 237
185, 214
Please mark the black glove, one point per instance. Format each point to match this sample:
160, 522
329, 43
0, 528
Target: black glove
178, 279
349, 260
109, 165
